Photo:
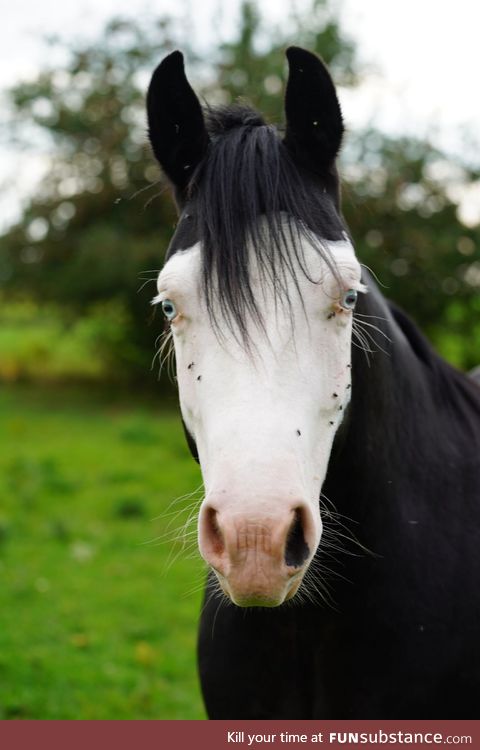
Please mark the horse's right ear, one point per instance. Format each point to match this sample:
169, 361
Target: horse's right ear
176, 127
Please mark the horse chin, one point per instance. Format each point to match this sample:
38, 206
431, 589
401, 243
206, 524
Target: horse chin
259, 597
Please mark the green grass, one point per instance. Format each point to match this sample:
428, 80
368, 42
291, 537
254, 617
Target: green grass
94, 622
47, 343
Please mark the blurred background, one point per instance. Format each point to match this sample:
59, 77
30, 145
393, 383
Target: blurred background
100, 585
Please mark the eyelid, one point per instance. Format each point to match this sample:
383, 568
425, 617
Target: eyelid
357, 286
164, 295
157, 299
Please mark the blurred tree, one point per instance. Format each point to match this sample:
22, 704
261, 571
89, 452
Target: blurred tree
251, 68
85, 236
401, 204
100, 220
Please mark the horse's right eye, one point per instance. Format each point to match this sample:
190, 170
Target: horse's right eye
169, 309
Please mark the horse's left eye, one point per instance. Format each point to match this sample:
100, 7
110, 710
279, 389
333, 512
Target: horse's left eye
169, 309
349, 299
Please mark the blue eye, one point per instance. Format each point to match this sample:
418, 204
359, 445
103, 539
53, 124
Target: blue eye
169, 309
349, 299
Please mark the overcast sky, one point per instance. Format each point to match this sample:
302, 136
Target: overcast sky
423, 57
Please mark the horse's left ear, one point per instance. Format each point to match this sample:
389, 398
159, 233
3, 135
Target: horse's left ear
176, 127
314, 118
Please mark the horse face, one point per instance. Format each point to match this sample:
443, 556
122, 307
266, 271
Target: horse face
263, 420
262, 417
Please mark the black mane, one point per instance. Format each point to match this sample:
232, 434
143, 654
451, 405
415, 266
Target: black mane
248, 174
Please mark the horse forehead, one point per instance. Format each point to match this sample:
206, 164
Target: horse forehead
340, 252
183, 268
181, 271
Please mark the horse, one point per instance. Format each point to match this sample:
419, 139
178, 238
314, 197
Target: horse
340, 454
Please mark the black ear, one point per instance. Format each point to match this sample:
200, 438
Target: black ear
176, 126
314, 119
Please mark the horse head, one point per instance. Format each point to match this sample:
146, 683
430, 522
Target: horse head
258, 289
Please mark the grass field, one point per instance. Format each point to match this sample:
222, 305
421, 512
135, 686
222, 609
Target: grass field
94, 621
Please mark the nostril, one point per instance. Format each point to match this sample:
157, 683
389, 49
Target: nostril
296, 548
214, 536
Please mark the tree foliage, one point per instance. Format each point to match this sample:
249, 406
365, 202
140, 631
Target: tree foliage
401, 209
97, 228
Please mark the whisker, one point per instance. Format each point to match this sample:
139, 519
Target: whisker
363, 323
315, 588
147, 281
361, 336
176, 512
223, 598
181, 498
171, 537
361, 345
152, 198
364, 265
165, 354
156, 271
374, 317
359, 327
196, 588
144, 189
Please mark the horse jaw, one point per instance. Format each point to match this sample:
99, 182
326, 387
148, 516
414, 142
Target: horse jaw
263, 420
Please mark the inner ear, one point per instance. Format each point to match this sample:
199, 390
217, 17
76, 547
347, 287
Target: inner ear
176, 126
314, 119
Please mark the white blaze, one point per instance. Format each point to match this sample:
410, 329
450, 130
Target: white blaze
264, 422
